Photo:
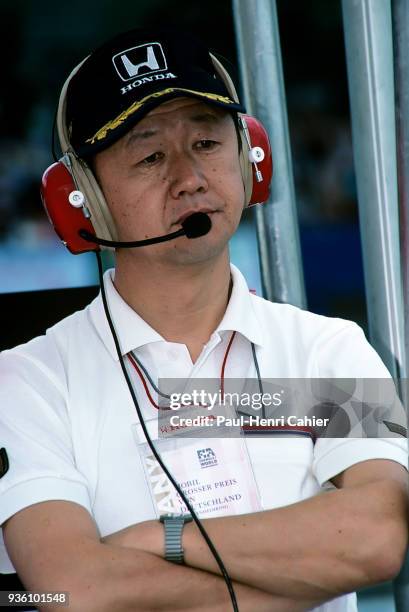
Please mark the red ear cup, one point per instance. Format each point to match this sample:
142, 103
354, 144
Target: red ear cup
259, 138
56, 186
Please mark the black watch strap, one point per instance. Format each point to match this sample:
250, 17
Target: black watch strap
173, 524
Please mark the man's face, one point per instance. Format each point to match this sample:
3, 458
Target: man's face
180, 159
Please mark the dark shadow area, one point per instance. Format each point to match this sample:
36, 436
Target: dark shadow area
35, 311
11, 582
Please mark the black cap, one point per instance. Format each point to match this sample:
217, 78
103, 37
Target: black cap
130, 75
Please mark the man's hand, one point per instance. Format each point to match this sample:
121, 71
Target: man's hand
313, 550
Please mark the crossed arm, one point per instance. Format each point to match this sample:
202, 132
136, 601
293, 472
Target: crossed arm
286, 559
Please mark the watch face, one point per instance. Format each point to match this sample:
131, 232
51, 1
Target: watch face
166, 517
182, 518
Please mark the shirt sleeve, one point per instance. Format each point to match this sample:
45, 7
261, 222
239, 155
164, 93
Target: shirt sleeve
35, 432
348, 355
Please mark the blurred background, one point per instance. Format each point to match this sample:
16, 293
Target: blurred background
40, 44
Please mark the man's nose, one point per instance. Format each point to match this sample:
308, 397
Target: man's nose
186, 176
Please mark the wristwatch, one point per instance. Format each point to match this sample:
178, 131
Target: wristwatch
173, 524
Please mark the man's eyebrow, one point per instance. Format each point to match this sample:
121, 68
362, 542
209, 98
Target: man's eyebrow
145, 134
200, 117
206, 117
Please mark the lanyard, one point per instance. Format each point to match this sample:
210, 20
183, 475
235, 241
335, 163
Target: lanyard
145, 377
141, 370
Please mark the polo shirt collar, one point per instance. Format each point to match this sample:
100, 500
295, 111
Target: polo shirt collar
241, 315
133, 332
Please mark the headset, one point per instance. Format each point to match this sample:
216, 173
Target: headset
74, 201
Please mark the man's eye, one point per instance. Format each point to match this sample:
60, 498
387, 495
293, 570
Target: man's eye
151, 159
206, 144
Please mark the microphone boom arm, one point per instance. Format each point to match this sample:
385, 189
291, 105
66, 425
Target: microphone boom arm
196, 225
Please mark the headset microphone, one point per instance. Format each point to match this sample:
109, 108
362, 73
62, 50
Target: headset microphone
196, 225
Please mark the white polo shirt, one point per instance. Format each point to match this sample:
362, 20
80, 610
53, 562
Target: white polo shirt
66, 415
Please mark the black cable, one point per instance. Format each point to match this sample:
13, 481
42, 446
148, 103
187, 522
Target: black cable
196, 519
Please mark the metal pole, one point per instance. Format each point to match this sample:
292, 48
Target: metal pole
400, 16
400, 23
368, 40
263, 86
369, 50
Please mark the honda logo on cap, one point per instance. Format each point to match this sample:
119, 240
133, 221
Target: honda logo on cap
138, 61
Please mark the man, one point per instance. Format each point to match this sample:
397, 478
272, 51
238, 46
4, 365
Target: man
76, 510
